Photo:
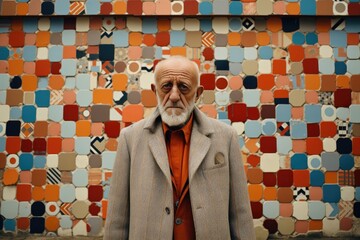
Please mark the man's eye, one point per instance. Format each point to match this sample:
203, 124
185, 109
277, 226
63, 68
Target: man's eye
183, 87
167, 86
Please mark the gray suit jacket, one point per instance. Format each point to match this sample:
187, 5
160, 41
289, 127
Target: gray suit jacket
141, 192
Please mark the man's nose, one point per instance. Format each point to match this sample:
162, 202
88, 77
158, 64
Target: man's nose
174, 94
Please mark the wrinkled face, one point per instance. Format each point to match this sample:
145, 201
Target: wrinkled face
177, 90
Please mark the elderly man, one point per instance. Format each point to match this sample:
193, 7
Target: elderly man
178, 174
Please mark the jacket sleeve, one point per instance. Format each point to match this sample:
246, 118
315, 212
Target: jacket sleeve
240, 216
117, 220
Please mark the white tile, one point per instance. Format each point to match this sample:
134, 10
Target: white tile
300, 210
269, 162
329, 145
347, 193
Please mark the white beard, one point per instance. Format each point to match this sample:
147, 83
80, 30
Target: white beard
174, 119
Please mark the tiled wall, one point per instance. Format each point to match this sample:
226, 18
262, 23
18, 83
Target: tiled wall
290, 87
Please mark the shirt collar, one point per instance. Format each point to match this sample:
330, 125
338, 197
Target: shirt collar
186, 129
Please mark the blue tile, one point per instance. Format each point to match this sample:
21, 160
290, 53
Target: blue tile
84, 98
235, 24
55, 53
30, 25
298, 38
299, 161
346, 162
62, 7
271, 209
56, 113
149, 26
121, 38
252, 128
2, 97
15, 113
353, 66
29, 113
205, 24
339, 54
4, 81
177, 38
269, 127
70, 83
316, 210
251, 97
283, 144
110, 159
352, 24
311, 38
2, 144
312, 113
357, 193
343, 113
205, 8
298, 129
222, 114
69, 37
308, 7
56, 24
83, 81
39, 162
29, 53
92, 7
340, 68
67, 193
80, 177
42, 98
236, 54
4, 53
235, 8
331, 193
354, 113
68, 67
317, 178
265, 52
26, 161
283, 112
68, 129
338, 38
220, 7
10, 225
326, 66
82, 145
353, 52
43, 83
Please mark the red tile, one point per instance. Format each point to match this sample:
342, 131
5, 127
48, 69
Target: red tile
2, 160
221, 83
284, 178
70, 23
134, 7
23, 192
94, 209
253, 113
42, 68
279, 66
39, 146
191, 7
253, 160
71, 113
342, 98
38, 177
237, 112
207, 80
23, 223
13, 144
269, 179
310, 66
162, 38
301, 178
296, 53
54, 145
256, 209
314, 146
356, 146
357, 177
95, 193
16, 38
106, 8
55, 67
208, 53
26, 145
313, 130
112, 129
328, 129
354, 9
268, 144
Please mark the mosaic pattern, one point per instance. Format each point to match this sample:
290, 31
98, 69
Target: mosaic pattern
289, 86
181, 7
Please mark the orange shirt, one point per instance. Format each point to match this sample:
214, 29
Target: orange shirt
178, 146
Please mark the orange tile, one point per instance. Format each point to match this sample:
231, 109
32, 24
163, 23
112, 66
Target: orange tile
311, 97
164, 24
103, 96
29, 82
22, 9
149, 8
104, 205
132, 113
314, 146
16, 67
111, 144
263, 38
42, 39
255, 192
279, 66
234, 38
342, 81
266, 81
10, 176
120, 81
293, 8
68, 144
270, 193
54, 129
312, 82
324, 38
274, 24
83, 128
248, 39
52, 223
252, 144
54, 145
69, 51
52, 193
301, 178
119, 7
38, 193
149, 39
315, 225
296, 53
29, 67
56, 82
135, 39
178, 51
352, 38
297, 113
331, 177
97, 129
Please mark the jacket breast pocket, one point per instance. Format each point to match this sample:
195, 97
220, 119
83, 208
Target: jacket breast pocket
218, 162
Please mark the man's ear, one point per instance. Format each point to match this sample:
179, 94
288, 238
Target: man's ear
199, 91
153, 88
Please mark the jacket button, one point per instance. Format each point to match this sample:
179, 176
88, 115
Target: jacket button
178, 221
167, 210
